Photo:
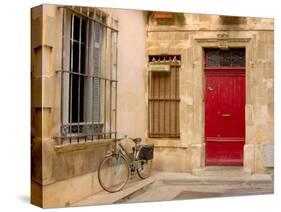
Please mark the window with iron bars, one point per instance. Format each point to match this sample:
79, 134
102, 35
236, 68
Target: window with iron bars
88, 85
164, 98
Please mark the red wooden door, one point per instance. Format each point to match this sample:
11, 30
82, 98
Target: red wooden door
224, 115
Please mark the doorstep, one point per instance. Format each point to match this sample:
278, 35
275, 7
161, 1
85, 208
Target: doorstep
225, 171
216, 175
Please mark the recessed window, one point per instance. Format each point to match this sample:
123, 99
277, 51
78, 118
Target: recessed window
88, 97
164, 98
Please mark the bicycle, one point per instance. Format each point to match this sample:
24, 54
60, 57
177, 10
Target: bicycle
116, 167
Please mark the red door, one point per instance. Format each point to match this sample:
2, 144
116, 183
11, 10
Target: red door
224, 112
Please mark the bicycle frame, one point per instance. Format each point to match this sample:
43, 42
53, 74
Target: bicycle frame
127, 155
131, 158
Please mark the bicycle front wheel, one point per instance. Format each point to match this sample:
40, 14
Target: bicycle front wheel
113, 173
144, 169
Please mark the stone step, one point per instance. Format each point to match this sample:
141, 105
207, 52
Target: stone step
185, 179
103, 197
221, 171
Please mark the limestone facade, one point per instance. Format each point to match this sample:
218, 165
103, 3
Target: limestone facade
64, 174
188, 40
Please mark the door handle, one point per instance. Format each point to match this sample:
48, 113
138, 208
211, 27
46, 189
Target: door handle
226, 115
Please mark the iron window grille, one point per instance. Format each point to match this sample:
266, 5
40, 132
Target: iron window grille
88, 81
164, 98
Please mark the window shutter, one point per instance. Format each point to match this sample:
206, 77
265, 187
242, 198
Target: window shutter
164, 102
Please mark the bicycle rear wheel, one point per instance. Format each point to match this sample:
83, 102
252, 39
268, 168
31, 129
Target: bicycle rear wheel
144, 170
113, 173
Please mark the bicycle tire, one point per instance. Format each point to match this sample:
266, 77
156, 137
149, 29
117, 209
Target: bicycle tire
145, 170
105, 176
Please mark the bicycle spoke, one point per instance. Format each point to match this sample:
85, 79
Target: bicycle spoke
113, 173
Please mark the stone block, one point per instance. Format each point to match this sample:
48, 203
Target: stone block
77, 161
167, 159
179, 35
47, 123
48, 161
36, 92
259, 165
260, 134
48, 92
43, 17
36, 161
48, 62
37, 62
37, 123
249, 115
49, 31
205, 18
66, 192
268, 155
166, 36
250, 139
249, 158
36, 33
198, 156
36, 194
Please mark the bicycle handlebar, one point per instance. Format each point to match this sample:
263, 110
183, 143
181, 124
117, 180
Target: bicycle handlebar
124, 137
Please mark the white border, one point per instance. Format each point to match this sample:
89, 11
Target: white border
15, 101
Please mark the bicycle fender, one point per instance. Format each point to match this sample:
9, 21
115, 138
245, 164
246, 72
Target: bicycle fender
109, 154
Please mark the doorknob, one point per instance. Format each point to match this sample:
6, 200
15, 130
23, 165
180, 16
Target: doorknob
226, 115
210, 88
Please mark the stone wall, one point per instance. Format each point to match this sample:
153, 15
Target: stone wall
53, 164
188, 40
63, 174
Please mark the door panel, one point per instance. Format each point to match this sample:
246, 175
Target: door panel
224, 116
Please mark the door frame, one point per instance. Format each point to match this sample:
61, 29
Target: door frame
221, 40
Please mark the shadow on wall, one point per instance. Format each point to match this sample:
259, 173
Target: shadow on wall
232, 20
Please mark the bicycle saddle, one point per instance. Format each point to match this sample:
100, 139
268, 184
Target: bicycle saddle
137, 140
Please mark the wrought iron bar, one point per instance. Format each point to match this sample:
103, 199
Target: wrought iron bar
71, 77
170, 96
82, 135
88, 79
116, 71
99, 73
149, 105
79, 71
93, 78
110, 89
104, 113
62, 75
90, 18
86, 75
159, 83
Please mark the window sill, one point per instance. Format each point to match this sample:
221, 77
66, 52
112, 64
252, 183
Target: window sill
82, 146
